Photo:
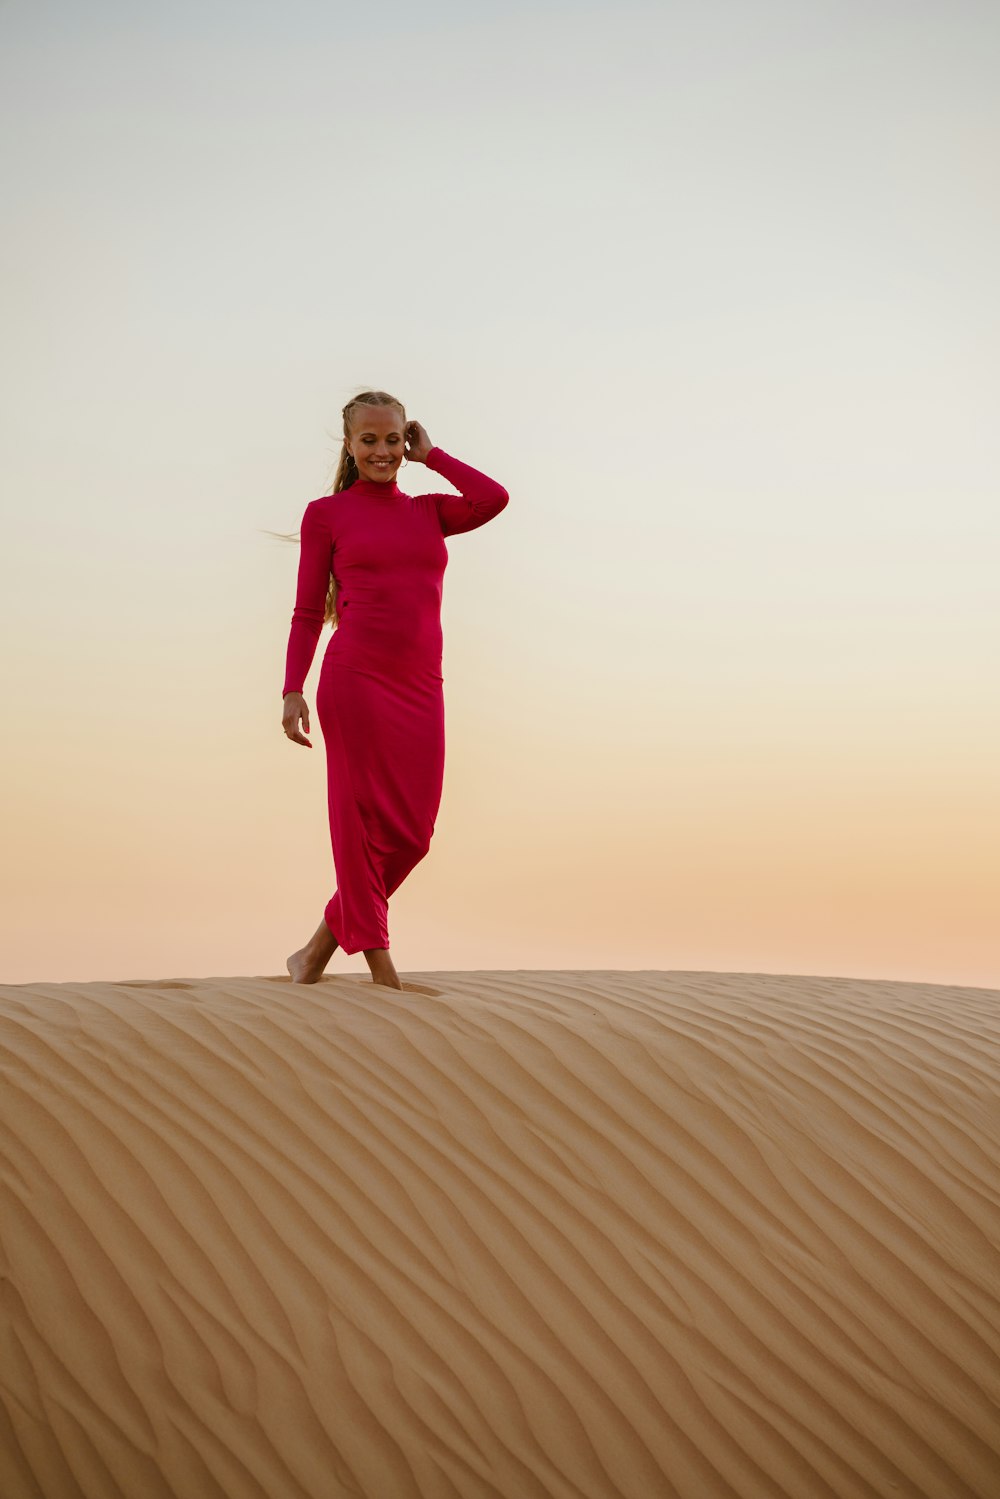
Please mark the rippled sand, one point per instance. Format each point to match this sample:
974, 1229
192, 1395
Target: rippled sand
539, 1234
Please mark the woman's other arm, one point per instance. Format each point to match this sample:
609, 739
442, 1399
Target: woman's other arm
315, 560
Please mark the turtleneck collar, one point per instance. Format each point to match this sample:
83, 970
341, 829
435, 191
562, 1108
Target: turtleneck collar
377, 489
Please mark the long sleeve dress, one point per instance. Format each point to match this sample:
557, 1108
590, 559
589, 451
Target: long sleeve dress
380, 698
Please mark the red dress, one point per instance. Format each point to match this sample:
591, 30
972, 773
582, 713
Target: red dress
380, 699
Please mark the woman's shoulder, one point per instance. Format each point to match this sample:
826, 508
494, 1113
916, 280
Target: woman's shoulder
326, 506
320, 516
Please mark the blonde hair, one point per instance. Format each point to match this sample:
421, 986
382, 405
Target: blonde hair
347, 473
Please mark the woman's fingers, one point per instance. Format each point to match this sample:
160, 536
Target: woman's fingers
290, 724
418, 442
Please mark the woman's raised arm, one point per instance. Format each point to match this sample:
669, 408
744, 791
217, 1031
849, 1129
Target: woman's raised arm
481, 497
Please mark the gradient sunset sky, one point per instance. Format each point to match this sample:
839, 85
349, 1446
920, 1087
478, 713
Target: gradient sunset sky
711, 289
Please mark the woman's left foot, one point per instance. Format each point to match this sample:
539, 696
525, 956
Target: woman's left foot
382, 967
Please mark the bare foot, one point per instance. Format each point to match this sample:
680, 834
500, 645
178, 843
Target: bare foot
306, 966
382, 967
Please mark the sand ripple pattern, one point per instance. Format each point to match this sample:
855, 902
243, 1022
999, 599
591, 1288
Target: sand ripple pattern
540, 1235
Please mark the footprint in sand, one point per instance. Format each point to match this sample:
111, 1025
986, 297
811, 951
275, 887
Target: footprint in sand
150, 984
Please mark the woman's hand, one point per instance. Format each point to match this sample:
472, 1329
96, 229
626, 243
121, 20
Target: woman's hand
418, 444
296, 708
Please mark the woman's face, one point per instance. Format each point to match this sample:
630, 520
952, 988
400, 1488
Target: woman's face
377, 442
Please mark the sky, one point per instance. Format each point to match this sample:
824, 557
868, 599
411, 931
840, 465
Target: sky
711, 289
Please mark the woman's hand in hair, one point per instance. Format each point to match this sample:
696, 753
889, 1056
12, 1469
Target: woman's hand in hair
418, 444
296, 708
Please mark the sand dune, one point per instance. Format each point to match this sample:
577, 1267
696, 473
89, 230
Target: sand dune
543, 1235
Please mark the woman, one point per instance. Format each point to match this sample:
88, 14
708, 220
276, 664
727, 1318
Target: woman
372, 561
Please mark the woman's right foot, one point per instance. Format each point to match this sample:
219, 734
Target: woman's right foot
306, 966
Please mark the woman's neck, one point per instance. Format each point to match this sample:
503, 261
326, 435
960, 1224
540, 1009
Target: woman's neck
376, 488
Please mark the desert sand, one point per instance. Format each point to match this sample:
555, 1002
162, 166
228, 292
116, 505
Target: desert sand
538, 1234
